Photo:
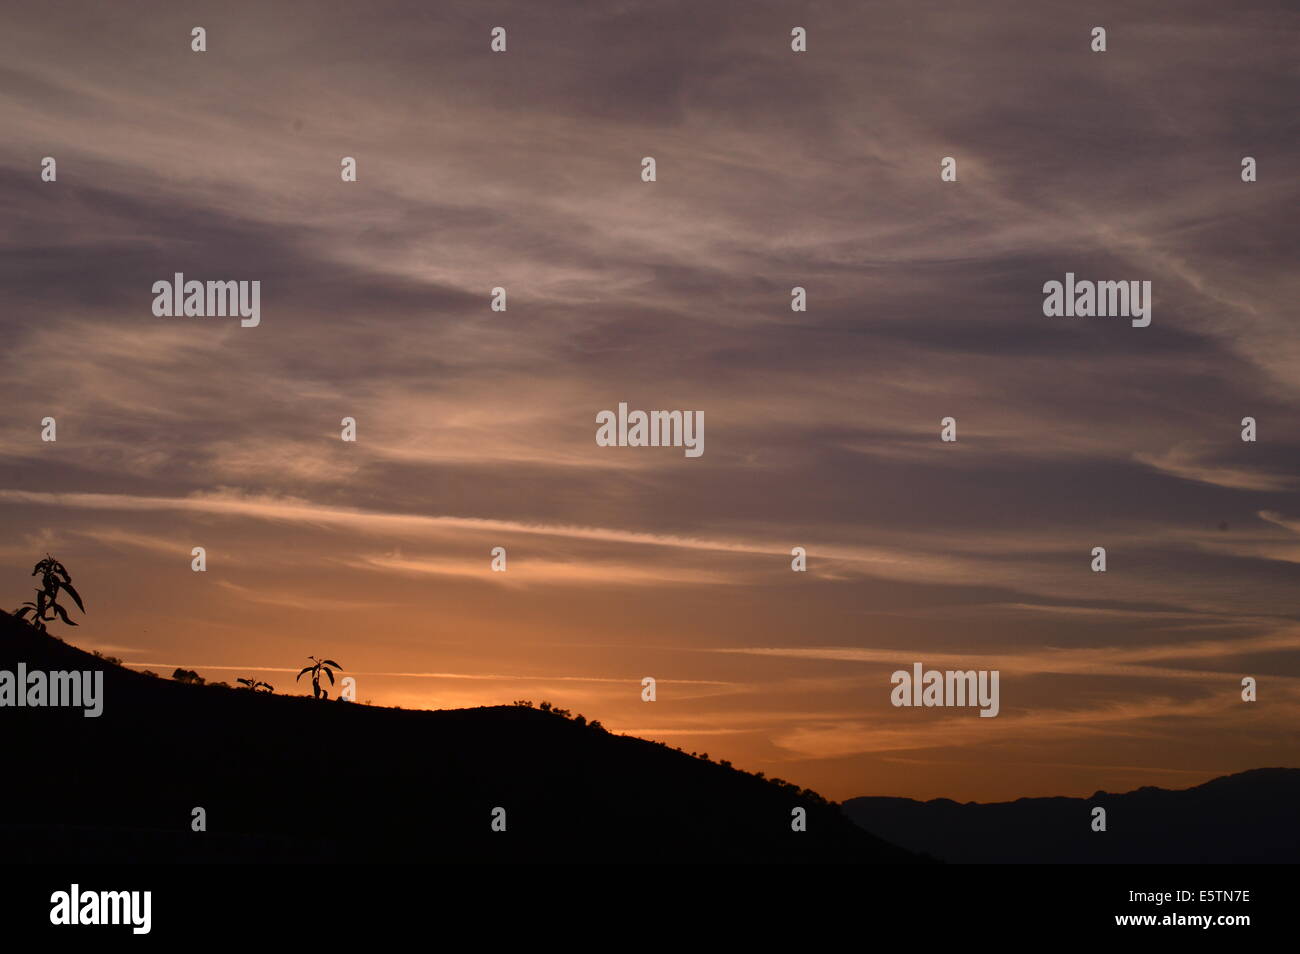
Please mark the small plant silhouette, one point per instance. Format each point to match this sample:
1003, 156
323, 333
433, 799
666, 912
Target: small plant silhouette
256, 685
46, 609
320, 665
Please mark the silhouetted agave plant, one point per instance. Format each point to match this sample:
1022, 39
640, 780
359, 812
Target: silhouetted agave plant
256, 685
321, 665
45, 609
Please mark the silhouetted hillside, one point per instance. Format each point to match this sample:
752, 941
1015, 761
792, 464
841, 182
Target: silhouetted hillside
287, 778
1244, 818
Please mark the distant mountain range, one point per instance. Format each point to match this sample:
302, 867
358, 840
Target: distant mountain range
289, 778
1251, 817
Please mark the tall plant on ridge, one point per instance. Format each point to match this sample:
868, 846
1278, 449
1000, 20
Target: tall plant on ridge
46, 608
321, 665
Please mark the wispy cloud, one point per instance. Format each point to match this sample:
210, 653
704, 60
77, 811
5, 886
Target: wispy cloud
1092, 661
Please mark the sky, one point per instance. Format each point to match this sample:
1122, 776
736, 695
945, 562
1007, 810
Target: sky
475, 428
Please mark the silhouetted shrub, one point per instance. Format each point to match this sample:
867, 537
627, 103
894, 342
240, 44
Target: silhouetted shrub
320, 665
45, 608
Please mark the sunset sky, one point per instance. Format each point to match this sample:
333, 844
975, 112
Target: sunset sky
476, 428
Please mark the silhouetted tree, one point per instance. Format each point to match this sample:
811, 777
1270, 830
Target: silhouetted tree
256, 685
320, 665
45, 608
188, 676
